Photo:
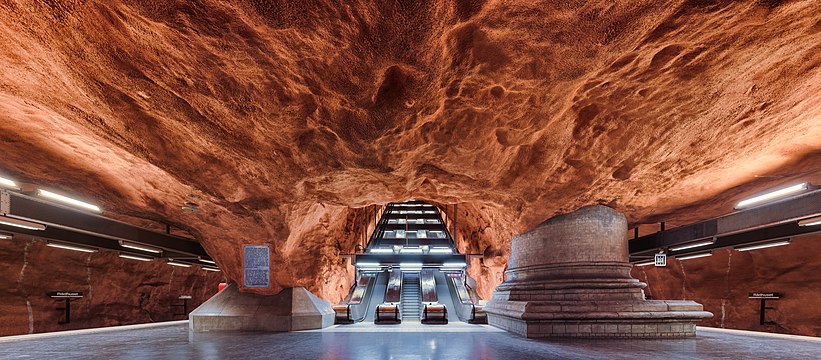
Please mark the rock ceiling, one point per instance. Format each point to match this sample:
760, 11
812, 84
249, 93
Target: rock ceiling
285, 117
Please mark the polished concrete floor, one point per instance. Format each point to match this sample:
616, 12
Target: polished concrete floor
457, 341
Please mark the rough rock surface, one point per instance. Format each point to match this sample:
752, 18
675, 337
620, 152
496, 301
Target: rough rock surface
288, 117
116, 291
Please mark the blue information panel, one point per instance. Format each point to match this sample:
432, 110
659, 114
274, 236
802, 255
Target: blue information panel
257, 266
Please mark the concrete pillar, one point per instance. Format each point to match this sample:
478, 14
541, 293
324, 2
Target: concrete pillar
570, 277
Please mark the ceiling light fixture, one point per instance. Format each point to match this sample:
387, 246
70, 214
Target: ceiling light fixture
380, 251
4, 220
810, 222
208, 268
771, 195
8, 183
694, 256
208, 261
367, 264
174, 263
71, 247
645, 263
135, 257
141, 247
6, 236
68, 200
693, 245
441, 250
411, 251
763, 245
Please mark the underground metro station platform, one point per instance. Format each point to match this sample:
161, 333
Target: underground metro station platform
410, 180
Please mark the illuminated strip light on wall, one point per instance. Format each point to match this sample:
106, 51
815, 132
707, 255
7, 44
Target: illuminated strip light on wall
21, 223
810, 222
8, 183
209, 268
135, 257
68, 200
693, 245
775, 194
142, 247
694, 256
71, 247
645, 263
763, 245
174, 263
208, 261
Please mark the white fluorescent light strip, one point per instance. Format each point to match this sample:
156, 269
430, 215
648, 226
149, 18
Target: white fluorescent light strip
210, 268
810, 222
410, 251
6, 236
694, 256
68, 200
71, 247
692, 245
441, 251
135, 257
454, 264
380, 251
763, 246
645, 263
208, 261
772, 195
21, 223
140, 247
174, 263
410, 265
8, 183
367, 264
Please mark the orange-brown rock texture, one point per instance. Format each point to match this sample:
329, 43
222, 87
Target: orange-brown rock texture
289, 119
115, 291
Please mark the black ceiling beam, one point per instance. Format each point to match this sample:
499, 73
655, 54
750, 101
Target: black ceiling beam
76, 238
57, 216
749, 224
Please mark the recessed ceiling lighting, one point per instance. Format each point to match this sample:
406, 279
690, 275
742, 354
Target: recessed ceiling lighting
142, 247
367, 264
693, 245
174, 263
21, 223
67, 200
71, 247
694, 256
441, 250
135, 257
380, 251
771, 195
763, 246
810, 222
8, 183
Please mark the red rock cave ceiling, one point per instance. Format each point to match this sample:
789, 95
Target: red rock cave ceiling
285, 117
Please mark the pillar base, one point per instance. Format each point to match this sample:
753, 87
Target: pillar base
291, 310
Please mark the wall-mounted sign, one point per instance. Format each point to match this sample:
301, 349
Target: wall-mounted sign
765, 295
661, 259
66, 294
257, 266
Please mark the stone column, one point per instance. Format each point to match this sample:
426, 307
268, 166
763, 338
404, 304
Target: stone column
570, 277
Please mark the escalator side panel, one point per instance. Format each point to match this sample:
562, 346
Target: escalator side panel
428, 285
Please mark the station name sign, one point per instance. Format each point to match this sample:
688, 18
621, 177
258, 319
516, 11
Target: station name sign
66, 294
765, 295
